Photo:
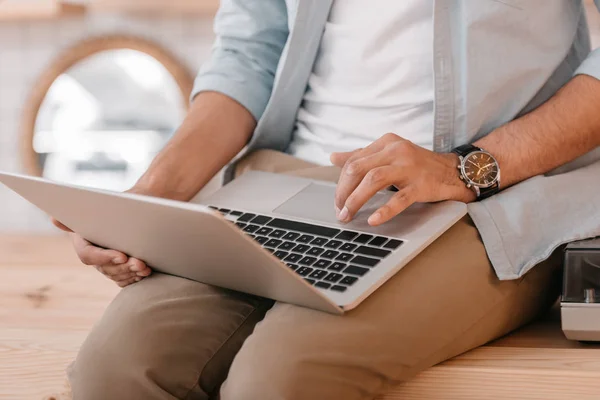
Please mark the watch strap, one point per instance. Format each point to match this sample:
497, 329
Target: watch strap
484, 193
466, 149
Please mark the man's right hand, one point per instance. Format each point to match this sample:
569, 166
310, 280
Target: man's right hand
113, 264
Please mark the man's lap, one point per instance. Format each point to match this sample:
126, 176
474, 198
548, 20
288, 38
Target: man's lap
182, 336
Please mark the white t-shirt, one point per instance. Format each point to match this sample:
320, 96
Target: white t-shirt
373, 75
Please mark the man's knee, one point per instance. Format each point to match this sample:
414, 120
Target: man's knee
136, 350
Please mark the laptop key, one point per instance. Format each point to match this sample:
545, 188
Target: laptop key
372, 251
347, 235
315, 251
333, 244
364, 238
293, 257
330, 254
246, 217
236, 213
378, 241
311, 281
318, 274
367, 261
354, 270
224, 210
349, 280
305, 239
348, 247
301, 248
273, 243
303, 227
344, 257
261, 239
339, 288
281, 254
319, 241
251, 228
291, 236
264, 231
337, 266
287, 245
308, 261
292, 266
303, 271
213, 207
261, 220
323, 285
277, 233
333, 277
241, 225
393, 244
322, 264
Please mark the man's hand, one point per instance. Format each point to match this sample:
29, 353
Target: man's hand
190, 159
113, 264
419, 175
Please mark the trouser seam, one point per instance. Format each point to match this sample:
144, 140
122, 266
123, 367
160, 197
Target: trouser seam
227, 339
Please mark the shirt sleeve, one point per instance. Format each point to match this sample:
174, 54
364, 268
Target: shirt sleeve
523, 225
250, 37
591, 65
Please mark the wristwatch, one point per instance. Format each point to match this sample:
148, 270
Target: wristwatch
479, 170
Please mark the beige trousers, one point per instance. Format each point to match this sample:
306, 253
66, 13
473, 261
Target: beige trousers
171, 338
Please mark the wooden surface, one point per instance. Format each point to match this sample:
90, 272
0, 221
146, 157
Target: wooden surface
48, 302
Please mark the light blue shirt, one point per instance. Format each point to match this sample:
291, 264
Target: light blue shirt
493, 62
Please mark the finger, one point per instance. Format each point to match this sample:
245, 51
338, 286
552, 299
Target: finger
92, 255
60, 225
339, 159
122, 277
128, 282
398, 203
132, 265
354, 172
374, 181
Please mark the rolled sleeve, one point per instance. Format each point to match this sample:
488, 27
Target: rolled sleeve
591, 65
251, 36
524, 224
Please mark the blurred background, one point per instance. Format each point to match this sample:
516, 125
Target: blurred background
91, 90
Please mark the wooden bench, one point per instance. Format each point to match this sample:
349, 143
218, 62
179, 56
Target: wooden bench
48, 303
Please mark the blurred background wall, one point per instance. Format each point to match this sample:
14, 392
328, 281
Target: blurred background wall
28, 47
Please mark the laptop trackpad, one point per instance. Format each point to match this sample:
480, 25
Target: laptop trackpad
316, 202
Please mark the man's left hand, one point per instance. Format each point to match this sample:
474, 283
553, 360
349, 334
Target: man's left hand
420, 175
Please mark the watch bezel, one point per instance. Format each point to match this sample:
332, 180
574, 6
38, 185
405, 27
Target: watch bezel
468, 180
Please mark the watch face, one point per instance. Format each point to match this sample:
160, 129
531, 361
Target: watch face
480, 169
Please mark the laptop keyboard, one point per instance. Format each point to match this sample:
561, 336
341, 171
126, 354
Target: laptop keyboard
328, 258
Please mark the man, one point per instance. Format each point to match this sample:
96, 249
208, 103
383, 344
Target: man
323, 78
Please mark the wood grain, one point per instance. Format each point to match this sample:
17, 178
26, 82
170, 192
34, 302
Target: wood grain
49, 301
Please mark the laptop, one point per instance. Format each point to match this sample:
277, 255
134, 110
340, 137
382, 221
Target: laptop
266, 234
